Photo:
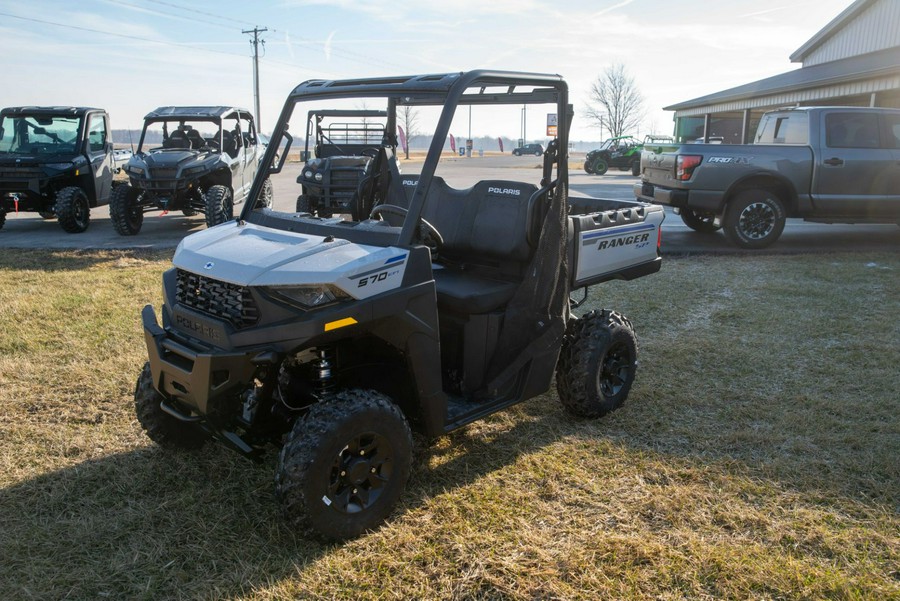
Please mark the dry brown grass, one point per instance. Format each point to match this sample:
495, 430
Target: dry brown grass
755, 459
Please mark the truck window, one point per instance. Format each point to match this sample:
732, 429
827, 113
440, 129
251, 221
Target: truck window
97, 133
892, 130
790, 128
851, 130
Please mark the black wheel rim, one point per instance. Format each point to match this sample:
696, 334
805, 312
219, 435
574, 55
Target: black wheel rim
757, 220
615, 370
360, 473
80, 212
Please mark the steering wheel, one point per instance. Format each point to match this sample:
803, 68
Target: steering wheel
426, 230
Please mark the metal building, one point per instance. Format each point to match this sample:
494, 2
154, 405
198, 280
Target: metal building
852, 61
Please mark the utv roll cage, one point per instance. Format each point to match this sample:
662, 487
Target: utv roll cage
449, 90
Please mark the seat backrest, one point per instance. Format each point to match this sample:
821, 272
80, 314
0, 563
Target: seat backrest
176, 140
494, 219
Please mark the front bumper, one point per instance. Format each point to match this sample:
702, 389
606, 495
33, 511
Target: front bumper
195, 375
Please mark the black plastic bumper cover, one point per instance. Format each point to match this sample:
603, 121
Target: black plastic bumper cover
194, 377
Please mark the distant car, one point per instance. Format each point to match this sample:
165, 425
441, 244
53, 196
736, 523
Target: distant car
535, 149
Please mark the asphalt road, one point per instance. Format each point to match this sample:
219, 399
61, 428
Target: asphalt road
28, 230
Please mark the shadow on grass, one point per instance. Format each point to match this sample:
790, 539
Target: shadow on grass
154, 523
158, 524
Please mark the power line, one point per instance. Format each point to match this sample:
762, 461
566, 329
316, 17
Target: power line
120, 35
200, 12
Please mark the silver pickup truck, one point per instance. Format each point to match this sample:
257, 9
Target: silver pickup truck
825, 164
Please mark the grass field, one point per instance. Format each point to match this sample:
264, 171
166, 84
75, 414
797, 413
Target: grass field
756, 458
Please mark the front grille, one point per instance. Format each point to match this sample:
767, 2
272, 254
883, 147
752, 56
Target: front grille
20, 172
344, 183
221, 300
165, 173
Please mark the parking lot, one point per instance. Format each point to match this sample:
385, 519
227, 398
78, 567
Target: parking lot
161, 231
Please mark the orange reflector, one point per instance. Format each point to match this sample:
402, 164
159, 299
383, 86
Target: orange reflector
341, 323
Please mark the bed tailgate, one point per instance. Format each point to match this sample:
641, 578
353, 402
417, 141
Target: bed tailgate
613, 239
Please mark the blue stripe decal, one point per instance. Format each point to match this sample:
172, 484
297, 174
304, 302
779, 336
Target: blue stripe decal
617, 232
397, 258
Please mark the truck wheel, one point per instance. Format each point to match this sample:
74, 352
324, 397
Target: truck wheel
600, 166
125, 210
344, 465
635, 168
699, 221
754, 219
219, 205
303, 203
73, 210
266, 196
597, 364
162, 428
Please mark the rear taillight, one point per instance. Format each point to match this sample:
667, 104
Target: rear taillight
685, 165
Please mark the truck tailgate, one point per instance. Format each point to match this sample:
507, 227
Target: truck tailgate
613, 239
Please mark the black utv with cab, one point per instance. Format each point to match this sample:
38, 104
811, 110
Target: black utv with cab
332, 339
56, 161
345, 144
189, 159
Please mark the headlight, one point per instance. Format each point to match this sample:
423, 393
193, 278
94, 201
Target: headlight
310, 296
134, 170
60, 166
308, 174
318, 177
193, 170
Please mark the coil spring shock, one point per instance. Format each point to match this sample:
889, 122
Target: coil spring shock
324, 372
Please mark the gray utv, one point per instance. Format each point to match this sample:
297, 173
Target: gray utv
56, 161
194, 159
333, 340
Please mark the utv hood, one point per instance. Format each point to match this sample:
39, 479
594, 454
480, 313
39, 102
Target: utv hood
175, 158
252, 255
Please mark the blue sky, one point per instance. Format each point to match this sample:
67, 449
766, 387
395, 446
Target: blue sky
130, 56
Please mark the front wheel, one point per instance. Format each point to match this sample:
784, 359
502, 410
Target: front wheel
597, 364
754, 219
219, 205
266, 195
700, 222
73, 210
589, 166
163, 429
125, 210
600, 166
344, 465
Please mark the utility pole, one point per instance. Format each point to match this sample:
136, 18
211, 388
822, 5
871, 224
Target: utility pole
256, 42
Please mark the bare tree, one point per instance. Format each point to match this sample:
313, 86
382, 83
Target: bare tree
409, 121
615, 102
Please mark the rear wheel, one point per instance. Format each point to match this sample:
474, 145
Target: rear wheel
162, 428
47, 214
73, 210
754, 219
636, 168
344, 465
125, 210
597, 364
219, 205
700, 221
600, 166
